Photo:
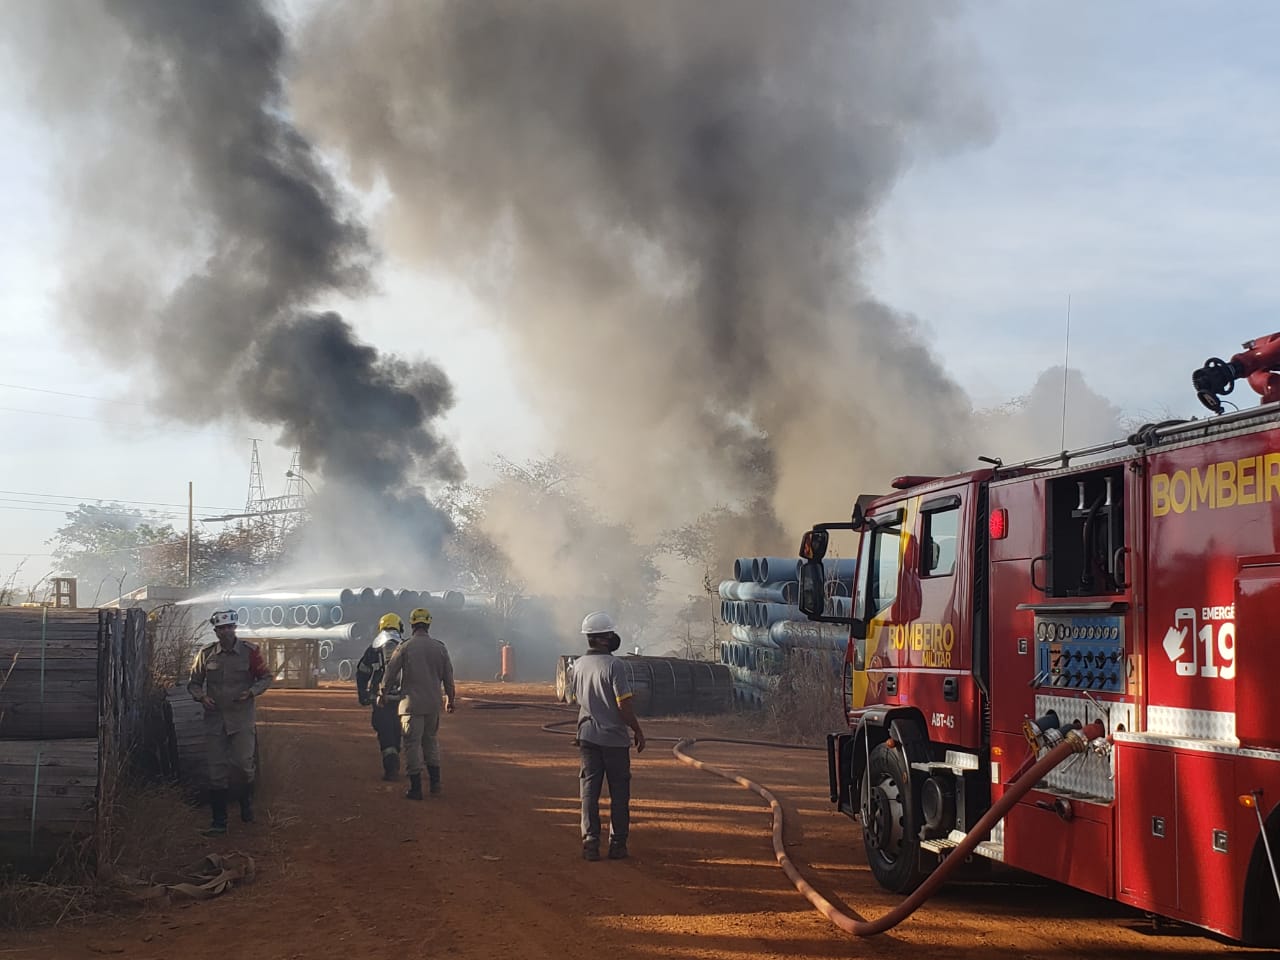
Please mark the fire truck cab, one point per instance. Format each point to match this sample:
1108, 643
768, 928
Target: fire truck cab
1136, 583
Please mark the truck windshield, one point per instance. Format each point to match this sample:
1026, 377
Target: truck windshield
877, 576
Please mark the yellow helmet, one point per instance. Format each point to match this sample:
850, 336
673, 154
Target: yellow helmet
421, 615
390, 621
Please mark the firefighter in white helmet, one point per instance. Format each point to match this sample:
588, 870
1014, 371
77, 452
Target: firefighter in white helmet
421, 667
605, 711
385, 702
227, 676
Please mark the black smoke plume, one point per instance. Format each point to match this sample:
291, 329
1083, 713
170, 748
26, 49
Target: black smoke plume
207, 229
670, 204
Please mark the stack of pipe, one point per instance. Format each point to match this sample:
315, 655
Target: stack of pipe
343, 620
761, 605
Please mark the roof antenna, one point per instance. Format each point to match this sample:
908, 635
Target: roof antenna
1066, 357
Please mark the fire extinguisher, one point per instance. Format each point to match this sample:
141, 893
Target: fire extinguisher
508, 671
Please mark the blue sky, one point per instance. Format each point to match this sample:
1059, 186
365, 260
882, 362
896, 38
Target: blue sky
1133, 167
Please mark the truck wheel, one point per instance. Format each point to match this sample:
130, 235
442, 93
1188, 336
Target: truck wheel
890, 831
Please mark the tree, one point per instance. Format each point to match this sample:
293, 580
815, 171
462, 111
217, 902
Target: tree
533, 532
476, 555
111, 548
709, 543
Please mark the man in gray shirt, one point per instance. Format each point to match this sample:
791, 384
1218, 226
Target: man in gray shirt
605, 712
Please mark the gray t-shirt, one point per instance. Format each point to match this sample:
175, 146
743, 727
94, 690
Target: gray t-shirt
600, 684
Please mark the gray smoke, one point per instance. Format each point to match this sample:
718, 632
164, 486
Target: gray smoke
206, 228
1040, 423
669, 205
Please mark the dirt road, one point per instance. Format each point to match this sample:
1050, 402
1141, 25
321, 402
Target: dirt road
348, 868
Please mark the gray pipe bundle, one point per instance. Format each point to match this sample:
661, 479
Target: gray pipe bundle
321, 595
771, 613
342, 633
804, 634
838, 607
773, 569
843, 570
764, 593
753, 636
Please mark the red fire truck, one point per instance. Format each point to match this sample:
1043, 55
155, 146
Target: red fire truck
1136, 583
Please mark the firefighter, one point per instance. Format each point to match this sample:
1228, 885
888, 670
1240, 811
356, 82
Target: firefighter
420, 667
227, 676
369, 673
605, 712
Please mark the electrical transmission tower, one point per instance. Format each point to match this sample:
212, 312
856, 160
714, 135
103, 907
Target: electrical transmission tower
271, 519
256, 492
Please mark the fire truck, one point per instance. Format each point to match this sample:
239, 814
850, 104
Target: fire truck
1135, 583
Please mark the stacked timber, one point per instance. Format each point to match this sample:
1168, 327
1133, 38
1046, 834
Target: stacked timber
185, 722
72, 699
48, 794
51, 659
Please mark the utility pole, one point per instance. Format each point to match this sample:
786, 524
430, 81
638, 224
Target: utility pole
190, 525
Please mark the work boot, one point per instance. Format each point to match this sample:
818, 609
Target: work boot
390, 766
434, 774
415, 787
246, 803
217, 804
591, 851
617, 849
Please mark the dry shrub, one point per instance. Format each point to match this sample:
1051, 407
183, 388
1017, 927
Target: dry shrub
152, 832
808, 702
27, 904
174, 639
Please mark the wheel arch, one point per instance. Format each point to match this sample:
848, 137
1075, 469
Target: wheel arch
905, 725
1260, 905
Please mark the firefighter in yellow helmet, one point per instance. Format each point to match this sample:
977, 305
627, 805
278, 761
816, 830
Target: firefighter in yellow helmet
384, 698
421, 666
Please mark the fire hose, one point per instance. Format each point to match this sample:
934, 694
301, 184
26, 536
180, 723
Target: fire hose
1076, 741
1073, 742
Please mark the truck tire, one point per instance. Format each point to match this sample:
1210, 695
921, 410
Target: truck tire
890, 827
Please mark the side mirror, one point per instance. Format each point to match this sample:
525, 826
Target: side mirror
812, 599
813, 547
861, 506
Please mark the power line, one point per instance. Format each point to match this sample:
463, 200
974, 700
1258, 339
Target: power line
79, 396
68, 496
119, 423
27, 505
134, 424
104, 509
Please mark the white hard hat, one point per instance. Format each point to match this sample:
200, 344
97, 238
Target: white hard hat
598, 622
224, 618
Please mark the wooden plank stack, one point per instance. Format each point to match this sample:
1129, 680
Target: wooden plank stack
72, 691
185, 719
51, 657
